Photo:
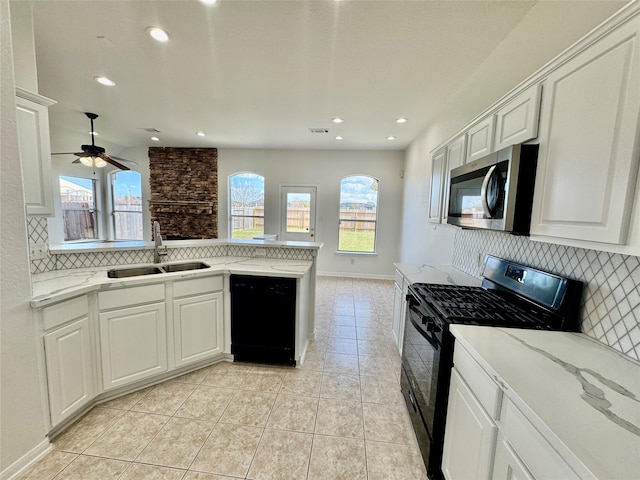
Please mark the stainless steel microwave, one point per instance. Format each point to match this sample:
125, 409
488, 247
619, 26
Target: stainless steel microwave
495, 192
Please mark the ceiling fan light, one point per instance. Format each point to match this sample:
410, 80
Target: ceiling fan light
99, 162
87, 161
105, 81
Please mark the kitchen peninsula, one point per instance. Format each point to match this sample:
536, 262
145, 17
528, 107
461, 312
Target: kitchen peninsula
105, 335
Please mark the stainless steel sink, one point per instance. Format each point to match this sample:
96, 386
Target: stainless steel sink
180, 267
133, 272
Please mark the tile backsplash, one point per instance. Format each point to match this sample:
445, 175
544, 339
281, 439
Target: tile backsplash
610, 306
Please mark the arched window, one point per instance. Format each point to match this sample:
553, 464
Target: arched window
246, 205
126, 205
358, 214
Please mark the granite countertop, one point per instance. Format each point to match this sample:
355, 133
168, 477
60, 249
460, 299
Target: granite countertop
59, 285
438, 274
579, 393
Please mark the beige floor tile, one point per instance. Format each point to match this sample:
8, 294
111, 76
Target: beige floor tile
381, 389
263, 381
249, 409
335, 458
302, 382
344, 310
349, 320
342, 345
291, 412
376, 365
177, 444
165, 398
82, 434
387, 461
343, 331
193, 377
230, 367
341, 363
340, 387
387, 423
313, 361
128, 436
229, 450
370, 333
139, 471
373, 347
225, 380
49, 466
339, 418
281, 456
206, 476
127, 401
206, 403
85, 467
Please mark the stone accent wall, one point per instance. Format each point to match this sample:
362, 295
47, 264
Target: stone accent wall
184, 191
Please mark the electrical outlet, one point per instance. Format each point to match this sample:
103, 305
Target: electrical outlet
38, 251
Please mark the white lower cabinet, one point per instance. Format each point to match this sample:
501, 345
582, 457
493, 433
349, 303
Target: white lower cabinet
507, 465
70, 373
133, 344
399, 309
198, 327
470, 435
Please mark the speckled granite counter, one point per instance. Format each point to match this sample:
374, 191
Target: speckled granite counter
583, 396
58, 285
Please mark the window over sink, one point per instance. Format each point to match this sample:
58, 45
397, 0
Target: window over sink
246, 205
79, 212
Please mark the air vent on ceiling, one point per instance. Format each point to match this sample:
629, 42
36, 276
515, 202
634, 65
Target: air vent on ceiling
149, 129
319, 130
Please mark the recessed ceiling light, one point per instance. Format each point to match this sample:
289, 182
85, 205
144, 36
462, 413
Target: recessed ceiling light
155, 139
201, 134
338, 137
337, 120
158, 34
391, 137
105, 81
401, 120
209, 2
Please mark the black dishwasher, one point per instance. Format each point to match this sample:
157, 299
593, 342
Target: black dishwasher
263, 319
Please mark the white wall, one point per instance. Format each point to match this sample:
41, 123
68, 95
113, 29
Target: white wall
22, 417
548, 29
324, 169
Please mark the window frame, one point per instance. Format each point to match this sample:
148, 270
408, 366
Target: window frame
111, 176
97, 212
374, 222
231, 215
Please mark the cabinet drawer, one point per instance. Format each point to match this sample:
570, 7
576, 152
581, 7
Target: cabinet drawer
63, 312
485, 389
539, 456
123, 297
197, 286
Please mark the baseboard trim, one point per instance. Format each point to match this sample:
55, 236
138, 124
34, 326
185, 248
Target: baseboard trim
356, 275
25, 462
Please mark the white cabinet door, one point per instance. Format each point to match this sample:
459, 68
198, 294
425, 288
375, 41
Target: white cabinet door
470, 435
456, 153
70, 374
198, 327
507, 465
517, 122
133, 344
480, 139
588, 158
32, 118
398, 323
437, 181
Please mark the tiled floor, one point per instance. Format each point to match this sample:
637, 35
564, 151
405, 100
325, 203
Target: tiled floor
340, 416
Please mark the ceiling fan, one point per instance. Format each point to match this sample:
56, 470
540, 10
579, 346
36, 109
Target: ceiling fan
95, 156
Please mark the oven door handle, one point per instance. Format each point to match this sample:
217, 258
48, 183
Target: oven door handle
419, 322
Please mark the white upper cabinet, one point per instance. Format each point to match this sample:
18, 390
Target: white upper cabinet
517, 122
588, 158
32, 118
437, 181
480, 138
455, 155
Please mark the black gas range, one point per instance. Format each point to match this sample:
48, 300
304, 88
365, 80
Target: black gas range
511, 295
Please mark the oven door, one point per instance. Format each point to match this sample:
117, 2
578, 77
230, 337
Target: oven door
421, 358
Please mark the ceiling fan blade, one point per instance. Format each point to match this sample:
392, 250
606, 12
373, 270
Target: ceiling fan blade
120, 159
77, 160
77, 154
110, 160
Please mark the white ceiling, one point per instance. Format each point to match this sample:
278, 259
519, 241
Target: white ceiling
259, 74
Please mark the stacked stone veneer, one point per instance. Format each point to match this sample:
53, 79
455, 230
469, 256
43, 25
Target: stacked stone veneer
184, 191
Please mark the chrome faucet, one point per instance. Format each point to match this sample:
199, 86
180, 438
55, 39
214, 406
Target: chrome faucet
160, 249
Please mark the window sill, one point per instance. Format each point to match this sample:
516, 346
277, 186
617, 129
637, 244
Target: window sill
369, 254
